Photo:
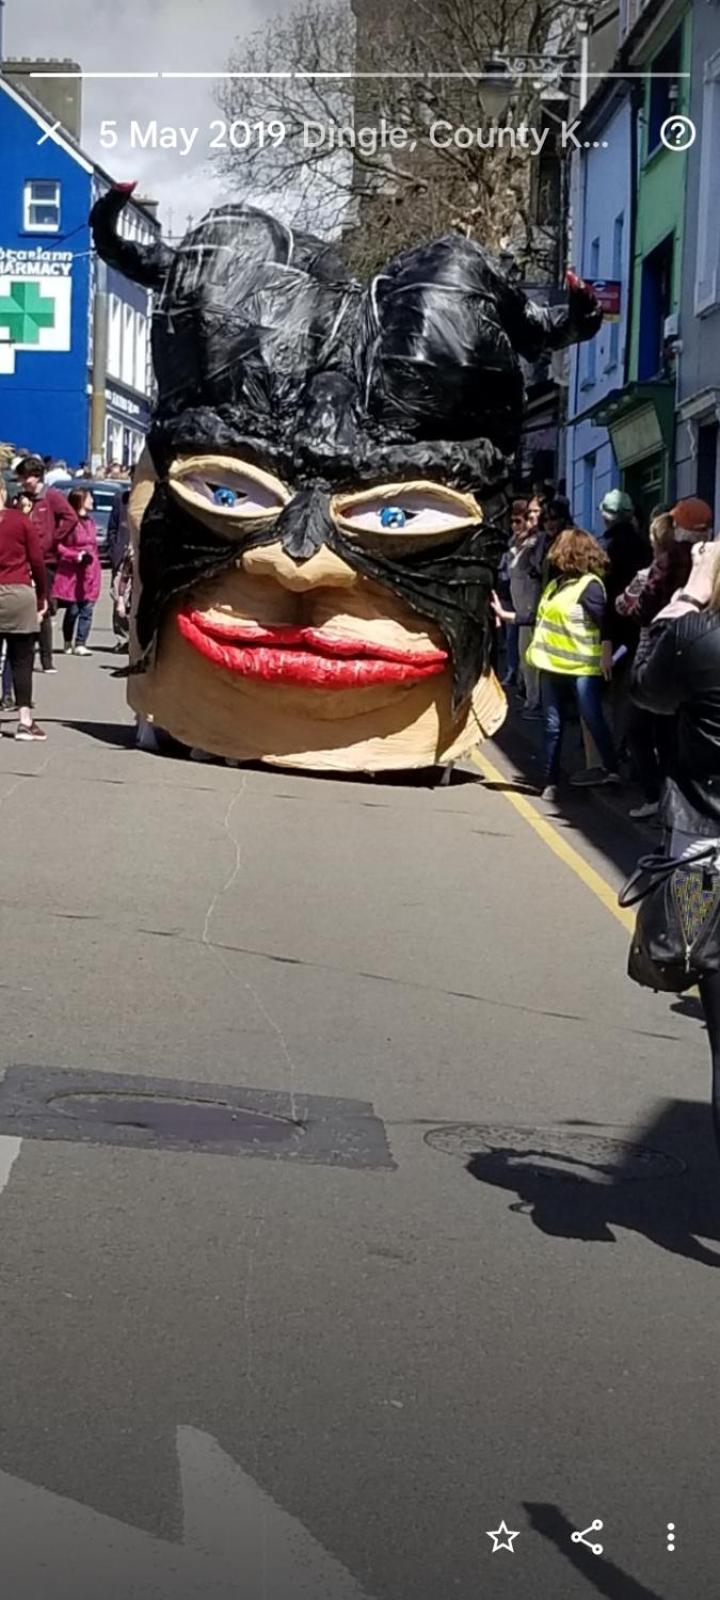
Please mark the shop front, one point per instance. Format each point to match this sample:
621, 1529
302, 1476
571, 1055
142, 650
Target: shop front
640, 422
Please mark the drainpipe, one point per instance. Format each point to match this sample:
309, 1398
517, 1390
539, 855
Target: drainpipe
99, 379
581, 192
582, 26
636, 100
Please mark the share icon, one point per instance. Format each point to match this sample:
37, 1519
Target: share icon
582, 1538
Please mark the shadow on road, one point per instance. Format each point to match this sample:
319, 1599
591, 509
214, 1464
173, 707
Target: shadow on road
675, 1207
114, 733
688, 1005
603, 1575
123, 734
602, 822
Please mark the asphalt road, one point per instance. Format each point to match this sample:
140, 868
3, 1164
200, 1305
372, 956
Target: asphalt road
479, 1283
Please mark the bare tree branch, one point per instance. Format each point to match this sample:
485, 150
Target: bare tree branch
349, 132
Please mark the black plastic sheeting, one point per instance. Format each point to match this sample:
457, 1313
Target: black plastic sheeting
261, 337
266, 349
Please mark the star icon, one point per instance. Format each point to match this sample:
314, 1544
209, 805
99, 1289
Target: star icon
502, 1539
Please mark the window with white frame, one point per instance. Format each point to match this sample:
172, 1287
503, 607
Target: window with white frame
127, 365
707, 281
113, 440
128, 341
41, 205
140, 352
114, 337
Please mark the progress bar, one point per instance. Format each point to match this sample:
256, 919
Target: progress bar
309, 72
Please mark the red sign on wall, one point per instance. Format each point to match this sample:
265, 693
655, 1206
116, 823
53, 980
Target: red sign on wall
608, 292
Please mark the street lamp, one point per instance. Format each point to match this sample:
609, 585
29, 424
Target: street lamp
497, 88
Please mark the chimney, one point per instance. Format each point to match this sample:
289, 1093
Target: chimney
151, 206
61, 98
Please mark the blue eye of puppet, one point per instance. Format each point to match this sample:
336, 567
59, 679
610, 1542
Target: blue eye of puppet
392, 517
224, 497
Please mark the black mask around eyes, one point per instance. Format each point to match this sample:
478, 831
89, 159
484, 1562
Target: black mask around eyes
449, 586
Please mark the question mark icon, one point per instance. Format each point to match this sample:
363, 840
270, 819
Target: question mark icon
678, 133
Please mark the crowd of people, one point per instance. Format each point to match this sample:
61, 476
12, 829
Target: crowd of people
50, 561
578, 614
625, 630
57, 470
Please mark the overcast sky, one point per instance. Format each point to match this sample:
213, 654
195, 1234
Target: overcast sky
137, 35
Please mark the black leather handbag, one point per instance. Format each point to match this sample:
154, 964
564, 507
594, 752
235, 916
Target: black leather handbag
677, 933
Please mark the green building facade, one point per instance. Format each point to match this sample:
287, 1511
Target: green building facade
640, 415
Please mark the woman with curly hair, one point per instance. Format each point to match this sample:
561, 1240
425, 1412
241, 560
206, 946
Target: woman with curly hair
571, 651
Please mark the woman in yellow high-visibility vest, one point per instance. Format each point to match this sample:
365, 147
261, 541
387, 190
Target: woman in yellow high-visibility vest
572, 654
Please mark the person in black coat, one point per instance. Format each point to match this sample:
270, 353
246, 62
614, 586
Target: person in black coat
679, 676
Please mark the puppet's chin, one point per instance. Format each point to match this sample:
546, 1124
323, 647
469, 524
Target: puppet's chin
372, 728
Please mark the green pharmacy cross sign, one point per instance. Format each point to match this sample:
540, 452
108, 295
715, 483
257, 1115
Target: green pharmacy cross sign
25, 311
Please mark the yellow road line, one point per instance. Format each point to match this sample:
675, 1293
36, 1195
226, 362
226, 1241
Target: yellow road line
555, 841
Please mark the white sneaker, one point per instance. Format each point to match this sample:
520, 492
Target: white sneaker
81, 650
649, 808
68, 650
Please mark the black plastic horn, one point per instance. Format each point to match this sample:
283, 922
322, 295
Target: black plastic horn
147, 264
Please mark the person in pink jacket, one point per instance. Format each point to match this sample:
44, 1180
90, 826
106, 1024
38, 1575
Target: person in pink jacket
78, 579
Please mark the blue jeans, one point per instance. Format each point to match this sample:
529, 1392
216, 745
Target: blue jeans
512, 650
80, 612
558, 690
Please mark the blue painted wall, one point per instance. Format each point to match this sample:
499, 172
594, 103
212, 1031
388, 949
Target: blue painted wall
44, 403
601, 194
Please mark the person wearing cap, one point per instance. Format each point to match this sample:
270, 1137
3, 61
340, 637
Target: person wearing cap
693, 520
627, 550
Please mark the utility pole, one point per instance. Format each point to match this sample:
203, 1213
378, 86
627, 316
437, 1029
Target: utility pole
582, 25
99, 379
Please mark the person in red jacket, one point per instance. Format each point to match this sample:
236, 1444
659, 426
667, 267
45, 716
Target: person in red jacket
53, 519
21, 606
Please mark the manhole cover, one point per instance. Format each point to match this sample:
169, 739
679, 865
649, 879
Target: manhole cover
140, 1112
198, 1121
558, 1153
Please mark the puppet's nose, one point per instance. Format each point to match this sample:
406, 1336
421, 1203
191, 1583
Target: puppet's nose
324, 570
304, 524
301, 558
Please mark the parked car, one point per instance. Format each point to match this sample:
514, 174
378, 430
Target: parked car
12, 484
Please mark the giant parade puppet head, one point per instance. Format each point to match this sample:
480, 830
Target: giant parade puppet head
313, 569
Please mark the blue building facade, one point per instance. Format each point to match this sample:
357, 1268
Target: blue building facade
602, 232
68, 325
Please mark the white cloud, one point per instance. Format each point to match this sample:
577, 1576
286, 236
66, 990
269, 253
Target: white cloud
145, 35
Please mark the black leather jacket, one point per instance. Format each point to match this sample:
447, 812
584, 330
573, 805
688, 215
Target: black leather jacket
680, 676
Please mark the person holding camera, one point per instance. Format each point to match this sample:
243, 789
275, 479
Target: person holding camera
679, 677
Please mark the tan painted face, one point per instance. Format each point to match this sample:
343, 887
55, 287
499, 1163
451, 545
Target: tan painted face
307, 664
